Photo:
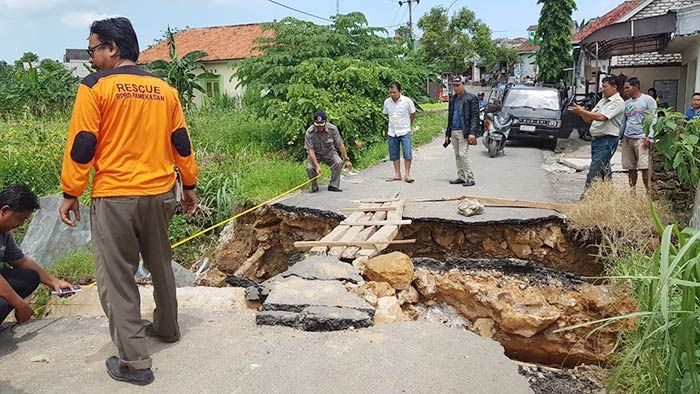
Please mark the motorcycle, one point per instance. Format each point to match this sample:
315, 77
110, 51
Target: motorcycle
496, 130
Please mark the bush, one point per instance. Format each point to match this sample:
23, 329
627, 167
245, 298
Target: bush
32, 152
342, 69
46, 89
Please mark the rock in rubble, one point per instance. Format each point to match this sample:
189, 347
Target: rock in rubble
48, 238
236, 281
294, 294
410, 296
380, 289
183, 276
372, 291
324, 268
389, 311
394, 268
212, 277
523, 305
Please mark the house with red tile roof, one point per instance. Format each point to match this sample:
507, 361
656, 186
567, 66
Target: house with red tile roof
225, 45
654, 59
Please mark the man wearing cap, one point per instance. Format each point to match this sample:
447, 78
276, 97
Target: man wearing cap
462, 128
322, 143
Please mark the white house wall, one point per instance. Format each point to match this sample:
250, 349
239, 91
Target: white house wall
647, 76
227, 84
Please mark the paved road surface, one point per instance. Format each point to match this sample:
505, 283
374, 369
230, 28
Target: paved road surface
225, 352
517, 175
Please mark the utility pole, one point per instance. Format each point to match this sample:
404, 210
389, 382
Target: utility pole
410, 17
337, 7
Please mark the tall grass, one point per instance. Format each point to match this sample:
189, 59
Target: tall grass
662, 355
617, 221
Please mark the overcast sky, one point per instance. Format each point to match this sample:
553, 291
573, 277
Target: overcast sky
48, 27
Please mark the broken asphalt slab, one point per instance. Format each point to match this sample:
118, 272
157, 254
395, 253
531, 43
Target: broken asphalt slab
311, 296
226, 352
295, 294
324, 268
517, 175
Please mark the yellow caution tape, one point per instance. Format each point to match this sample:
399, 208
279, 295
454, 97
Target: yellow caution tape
236, 216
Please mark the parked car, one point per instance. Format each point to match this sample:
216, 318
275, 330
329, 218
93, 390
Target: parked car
541, 112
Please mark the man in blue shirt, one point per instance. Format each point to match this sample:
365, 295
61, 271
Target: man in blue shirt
462, 128
16, 205
694, 111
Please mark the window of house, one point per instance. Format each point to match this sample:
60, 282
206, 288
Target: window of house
212, 88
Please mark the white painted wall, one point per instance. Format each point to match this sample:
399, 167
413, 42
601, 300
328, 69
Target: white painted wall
691, 58
227, 84
647, 76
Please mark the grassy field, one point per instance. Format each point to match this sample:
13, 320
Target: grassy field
434, 106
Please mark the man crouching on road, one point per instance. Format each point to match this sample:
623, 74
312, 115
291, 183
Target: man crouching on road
128, 125
17, 203
322, 143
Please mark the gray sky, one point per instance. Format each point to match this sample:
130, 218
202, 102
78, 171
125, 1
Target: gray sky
48, 27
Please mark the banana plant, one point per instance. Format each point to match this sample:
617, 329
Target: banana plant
184, 73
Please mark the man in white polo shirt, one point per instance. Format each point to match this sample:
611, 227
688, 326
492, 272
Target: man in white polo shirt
606, 120
401, 112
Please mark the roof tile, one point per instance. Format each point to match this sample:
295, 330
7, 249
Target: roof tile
220, 42
611, 17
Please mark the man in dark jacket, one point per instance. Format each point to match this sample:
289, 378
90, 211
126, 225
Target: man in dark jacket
462, 128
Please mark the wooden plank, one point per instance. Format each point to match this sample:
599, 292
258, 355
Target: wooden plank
351, 251
379, 200
386, 233
353, 231
491, 202
377, 209
382, 239
335, 235
369, 242
504, 202
377, 223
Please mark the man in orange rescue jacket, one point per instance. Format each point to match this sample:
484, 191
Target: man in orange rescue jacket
129, 126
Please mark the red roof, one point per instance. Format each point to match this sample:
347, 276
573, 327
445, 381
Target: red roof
611, 17
220, 42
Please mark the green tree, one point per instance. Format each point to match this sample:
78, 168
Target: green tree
502, 55
403, 36
47, 88
27, 57
183, 73
447, 42
554, 35
342, 69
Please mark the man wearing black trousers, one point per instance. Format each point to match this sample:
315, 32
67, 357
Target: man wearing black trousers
17, 203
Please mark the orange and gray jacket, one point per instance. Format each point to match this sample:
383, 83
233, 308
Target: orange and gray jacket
129, 126
470, 114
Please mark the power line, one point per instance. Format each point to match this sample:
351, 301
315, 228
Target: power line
299, 11
410, 17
